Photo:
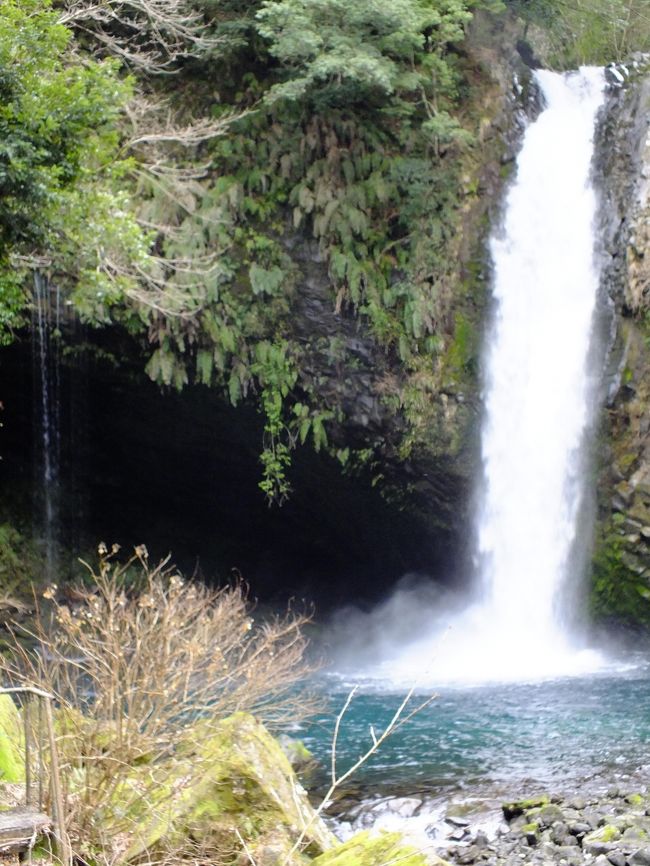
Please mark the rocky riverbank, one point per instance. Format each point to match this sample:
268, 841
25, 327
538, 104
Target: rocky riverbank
609, 828
614, 829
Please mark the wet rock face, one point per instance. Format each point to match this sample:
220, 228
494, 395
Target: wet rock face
623, 167
349, 370
622, 559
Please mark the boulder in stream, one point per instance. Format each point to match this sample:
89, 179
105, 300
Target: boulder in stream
367, 849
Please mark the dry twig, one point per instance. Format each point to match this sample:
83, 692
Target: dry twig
135, 659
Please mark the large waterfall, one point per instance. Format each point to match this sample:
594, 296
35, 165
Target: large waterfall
545, 286
537, 405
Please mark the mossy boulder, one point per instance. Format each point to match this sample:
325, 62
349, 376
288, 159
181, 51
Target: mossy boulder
518, 807
366, 849
635, 799
547, 815
297, 752
228, 781
12, 759
603, 835
531, 832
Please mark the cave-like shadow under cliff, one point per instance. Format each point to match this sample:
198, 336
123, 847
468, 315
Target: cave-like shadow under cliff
179, 472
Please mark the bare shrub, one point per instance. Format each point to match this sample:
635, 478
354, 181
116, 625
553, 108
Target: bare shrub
152, 35
134, 658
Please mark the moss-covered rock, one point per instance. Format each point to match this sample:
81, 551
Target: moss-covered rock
548, 814
606, 833
12, 760
229, 781
297, 753
518, 807
531, 832
366, 849
635, 799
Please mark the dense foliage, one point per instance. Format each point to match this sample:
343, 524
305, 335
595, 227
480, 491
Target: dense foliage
60, 197
350, 154
175, 204
588, 31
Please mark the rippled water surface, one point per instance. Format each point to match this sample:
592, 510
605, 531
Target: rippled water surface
560, 733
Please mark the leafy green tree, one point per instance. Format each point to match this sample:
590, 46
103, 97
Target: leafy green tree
350, 49
58, 146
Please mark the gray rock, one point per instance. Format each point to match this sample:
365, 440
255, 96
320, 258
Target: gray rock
592, 817
548, 815
519, 822
456, 821
580, 828
641, 857
572, 854
469, 855
405, 807
617, 858
635, 834
597, 848
559, 833
509, 846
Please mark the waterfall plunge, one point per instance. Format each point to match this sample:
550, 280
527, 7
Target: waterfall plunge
545, 285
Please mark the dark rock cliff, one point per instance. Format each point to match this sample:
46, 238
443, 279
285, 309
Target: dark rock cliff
622, 552
433, 475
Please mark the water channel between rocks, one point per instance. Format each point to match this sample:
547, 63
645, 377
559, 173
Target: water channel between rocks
444, 775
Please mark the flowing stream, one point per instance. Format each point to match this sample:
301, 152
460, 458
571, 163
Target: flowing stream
538, 394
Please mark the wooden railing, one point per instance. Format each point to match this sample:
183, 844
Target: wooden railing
39, 735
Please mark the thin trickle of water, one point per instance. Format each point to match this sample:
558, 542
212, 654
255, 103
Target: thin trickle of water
47, 411
537, 395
